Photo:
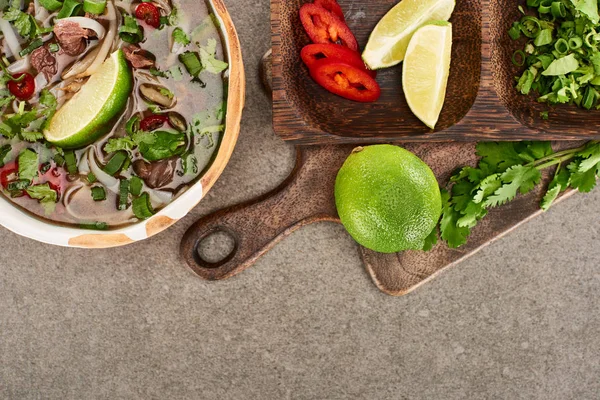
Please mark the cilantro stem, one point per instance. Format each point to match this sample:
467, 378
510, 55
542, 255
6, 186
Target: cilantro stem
555, 161
559, 154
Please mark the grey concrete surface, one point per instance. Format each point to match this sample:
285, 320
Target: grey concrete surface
517, 321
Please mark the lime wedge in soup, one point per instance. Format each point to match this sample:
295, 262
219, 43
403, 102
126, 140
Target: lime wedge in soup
86, 116
389, 40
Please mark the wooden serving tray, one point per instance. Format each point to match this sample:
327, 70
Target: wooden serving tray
481, 102
306, 196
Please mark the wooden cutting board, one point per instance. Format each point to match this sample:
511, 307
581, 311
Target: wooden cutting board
306, 196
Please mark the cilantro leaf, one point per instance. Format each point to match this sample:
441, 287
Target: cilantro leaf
31, 136
431, 240
179, 36
47, 196
28, 165
582, 181
454, 235
517, 178
207, 57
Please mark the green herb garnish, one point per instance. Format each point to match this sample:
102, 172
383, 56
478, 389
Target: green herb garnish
507, 169
98, 193
561, 57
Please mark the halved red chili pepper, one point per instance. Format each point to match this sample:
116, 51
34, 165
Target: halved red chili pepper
345, 80
5, 173
153, 122
314, 52
148, 13
22, 88
333, 7
324, 27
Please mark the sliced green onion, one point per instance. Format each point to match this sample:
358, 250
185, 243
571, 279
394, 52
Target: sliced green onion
98, 226
4, 151
32, 46
116, 163
123, 194
192, 63
561, 46
91, 178
98, 193
575, 43
519, 55
130, 31
71, 161
94, 6
70, 8
558, 10
142, 208
135, 186
51, 5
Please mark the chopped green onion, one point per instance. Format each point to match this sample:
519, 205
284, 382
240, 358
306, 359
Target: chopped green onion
116, 163
4, 151
98, 226
51, 5
98, 193
91, 178
71, 161
142, 208
123, 194
191, 61
130, 31
20, 184
135, 186
519, 58
561, 46
53, 47
575, 43
70, 8
32, 46
96, 7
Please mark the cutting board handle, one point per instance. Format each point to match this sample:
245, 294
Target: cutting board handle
256, 226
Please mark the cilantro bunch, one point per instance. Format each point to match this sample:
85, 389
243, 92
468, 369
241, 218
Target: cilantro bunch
505, 170
561, 55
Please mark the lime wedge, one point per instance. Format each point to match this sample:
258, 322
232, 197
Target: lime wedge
389, 40
426, 69
87, 115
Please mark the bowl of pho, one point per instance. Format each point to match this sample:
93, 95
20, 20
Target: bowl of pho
116, 117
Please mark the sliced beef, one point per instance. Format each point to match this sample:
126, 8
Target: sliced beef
71, 37
156, 174
44, 62
138, 57
31, 8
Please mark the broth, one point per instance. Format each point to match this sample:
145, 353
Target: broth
154, 147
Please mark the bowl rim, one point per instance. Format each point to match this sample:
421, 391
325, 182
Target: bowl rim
18, 221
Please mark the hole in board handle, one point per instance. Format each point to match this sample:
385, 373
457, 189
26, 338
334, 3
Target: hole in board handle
215, 248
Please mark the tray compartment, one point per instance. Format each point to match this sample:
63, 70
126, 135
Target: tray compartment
567, 120
305, 112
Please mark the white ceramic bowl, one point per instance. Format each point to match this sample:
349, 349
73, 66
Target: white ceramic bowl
22, 223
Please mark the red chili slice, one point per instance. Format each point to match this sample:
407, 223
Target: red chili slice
324, 27
22, 88
314, 52
346, 80
5, 173
333, 7
148, 13
153, 122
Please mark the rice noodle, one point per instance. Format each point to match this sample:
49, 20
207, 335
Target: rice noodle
40, 12
80, 66
124, 5
46, 22
10, 37
19, 66
40, 82
88, 23
108, 41
15, 106
110, 182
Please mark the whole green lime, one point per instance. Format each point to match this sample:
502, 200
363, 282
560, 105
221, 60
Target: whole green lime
387, 198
